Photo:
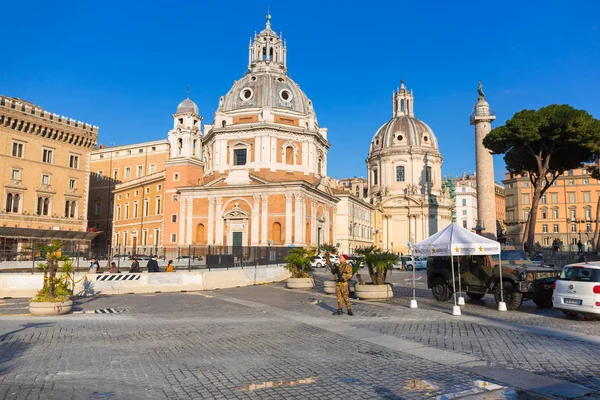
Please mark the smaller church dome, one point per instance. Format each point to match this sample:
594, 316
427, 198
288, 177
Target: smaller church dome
188, 106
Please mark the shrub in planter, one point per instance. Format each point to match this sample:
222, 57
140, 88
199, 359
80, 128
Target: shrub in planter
378, 263
298, 263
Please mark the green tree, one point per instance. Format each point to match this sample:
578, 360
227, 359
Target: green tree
378, 262
53, 287
298, 262
544, 144
329, 250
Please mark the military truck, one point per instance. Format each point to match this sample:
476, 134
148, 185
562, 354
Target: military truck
521, 279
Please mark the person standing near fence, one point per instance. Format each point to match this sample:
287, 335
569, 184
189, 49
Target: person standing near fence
135, 266
343, 273
94, 266
152, 265
170, 267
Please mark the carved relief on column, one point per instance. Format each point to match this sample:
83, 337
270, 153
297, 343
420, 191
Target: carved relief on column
299, 208
255, 220
181, 221
188, 222
264, 219
288, 218
219, 221
210, 240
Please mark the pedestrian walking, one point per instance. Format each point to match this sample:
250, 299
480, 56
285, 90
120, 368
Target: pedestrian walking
94, 266
135, 266
403, 261
170, 267
579, 247
343, 273
152, 265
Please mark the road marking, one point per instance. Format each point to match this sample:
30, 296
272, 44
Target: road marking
201, 294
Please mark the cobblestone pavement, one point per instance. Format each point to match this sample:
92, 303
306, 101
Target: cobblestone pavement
217, 344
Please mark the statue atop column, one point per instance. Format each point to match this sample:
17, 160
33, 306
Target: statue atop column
480, 89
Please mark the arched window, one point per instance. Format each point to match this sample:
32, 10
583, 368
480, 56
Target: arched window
200, 234
555, 213
179, 146
9, 202
428, 177
402, 105
40, 205
400, 174
15, 205
320, 166
289, 155
276, 233
73, 208
67, 208
46, 206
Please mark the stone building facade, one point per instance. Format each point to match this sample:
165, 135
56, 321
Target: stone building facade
354, 220
466, 201
405, 177
44, 164
566, 212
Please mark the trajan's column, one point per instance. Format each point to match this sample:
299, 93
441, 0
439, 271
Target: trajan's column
482, 118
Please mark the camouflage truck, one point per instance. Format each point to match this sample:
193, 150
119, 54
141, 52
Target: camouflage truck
521, 279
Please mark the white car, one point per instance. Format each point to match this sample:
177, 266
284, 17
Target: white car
577, 290
334, 259
420, 263
318, 262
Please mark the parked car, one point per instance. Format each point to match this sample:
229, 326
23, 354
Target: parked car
318, 262
521, 279
577, 290
418, 263
334, 259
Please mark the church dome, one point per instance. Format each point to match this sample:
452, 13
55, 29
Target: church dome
188, 106
403, 130
266, 88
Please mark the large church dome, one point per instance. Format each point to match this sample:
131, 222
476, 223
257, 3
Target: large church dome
403, 130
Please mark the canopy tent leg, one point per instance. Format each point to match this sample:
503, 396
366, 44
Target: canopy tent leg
461, 299
502, 304
413, 302
455, 308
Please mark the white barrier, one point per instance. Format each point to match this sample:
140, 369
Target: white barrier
26, 285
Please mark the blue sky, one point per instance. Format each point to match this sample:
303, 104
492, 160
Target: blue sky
126, 65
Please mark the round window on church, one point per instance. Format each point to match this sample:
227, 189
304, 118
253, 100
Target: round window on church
246, 94
425, 138
400, 137
285, 95
253, 78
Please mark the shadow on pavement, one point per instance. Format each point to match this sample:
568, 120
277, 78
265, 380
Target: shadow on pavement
13, 348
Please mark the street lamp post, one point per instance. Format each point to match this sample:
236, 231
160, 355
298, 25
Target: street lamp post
392, 243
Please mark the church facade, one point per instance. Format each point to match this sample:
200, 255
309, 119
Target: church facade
405, 177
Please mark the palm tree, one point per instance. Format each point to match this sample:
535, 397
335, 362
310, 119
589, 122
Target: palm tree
378, 263
329, 250
50, 267
298, 262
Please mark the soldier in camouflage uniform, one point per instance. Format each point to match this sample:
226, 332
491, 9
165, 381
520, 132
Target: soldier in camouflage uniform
343, 273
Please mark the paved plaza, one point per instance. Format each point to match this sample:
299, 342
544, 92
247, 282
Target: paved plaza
267, 342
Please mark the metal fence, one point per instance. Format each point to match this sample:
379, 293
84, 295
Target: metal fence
20, 255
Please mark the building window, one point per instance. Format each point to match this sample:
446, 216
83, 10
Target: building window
159, 187
73, 161
571, 182
127, 172
147, 190
464, 223
239, 157
173, 238
571, 197
98, 208
526, 198
554, 198
72, 183
126, 211
118, 197
135, 209
12, 203
588, 228
153, 148
544, 214
400, 174
43, 205
146, 207
144, 237
544, 228
588, 214
574, 228
428, 177
16, 175
543, 199
375, 177
525, 184
116, 174
70, 208
156, 236
555, 228
127, 195
140, 171
464, 212
464, 202
140, 150
570, 173
45, 179
47, 156
99, 175
586, 197
173, 217
152, 168
586, 181
555, 213
157, 205
174, 197
17, 150
118, 216
572, 214
526, 214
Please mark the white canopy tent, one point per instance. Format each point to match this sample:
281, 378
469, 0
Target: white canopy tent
457, 241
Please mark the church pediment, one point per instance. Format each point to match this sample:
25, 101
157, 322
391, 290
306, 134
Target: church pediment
402, 201
236, 213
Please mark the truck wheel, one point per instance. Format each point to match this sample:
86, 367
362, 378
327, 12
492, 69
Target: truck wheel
543, 300
440, 290
512, 297
475, 296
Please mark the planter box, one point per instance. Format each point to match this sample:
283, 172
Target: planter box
374, 292
329, 287
50, 308
300, 283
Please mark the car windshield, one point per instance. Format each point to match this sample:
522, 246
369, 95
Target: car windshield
511, 255
577, 273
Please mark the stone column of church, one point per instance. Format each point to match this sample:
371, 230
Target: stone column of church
181, 220
288, 218
486, 201
188, 222
264, 215
298, 218
313, 222
255, 219
210, 240
219, 221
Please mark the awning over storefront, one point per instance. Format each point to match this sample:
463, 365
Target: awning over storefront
28, 233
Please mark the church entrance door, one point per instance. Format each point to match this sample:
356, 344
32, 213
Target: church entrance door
237, 239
